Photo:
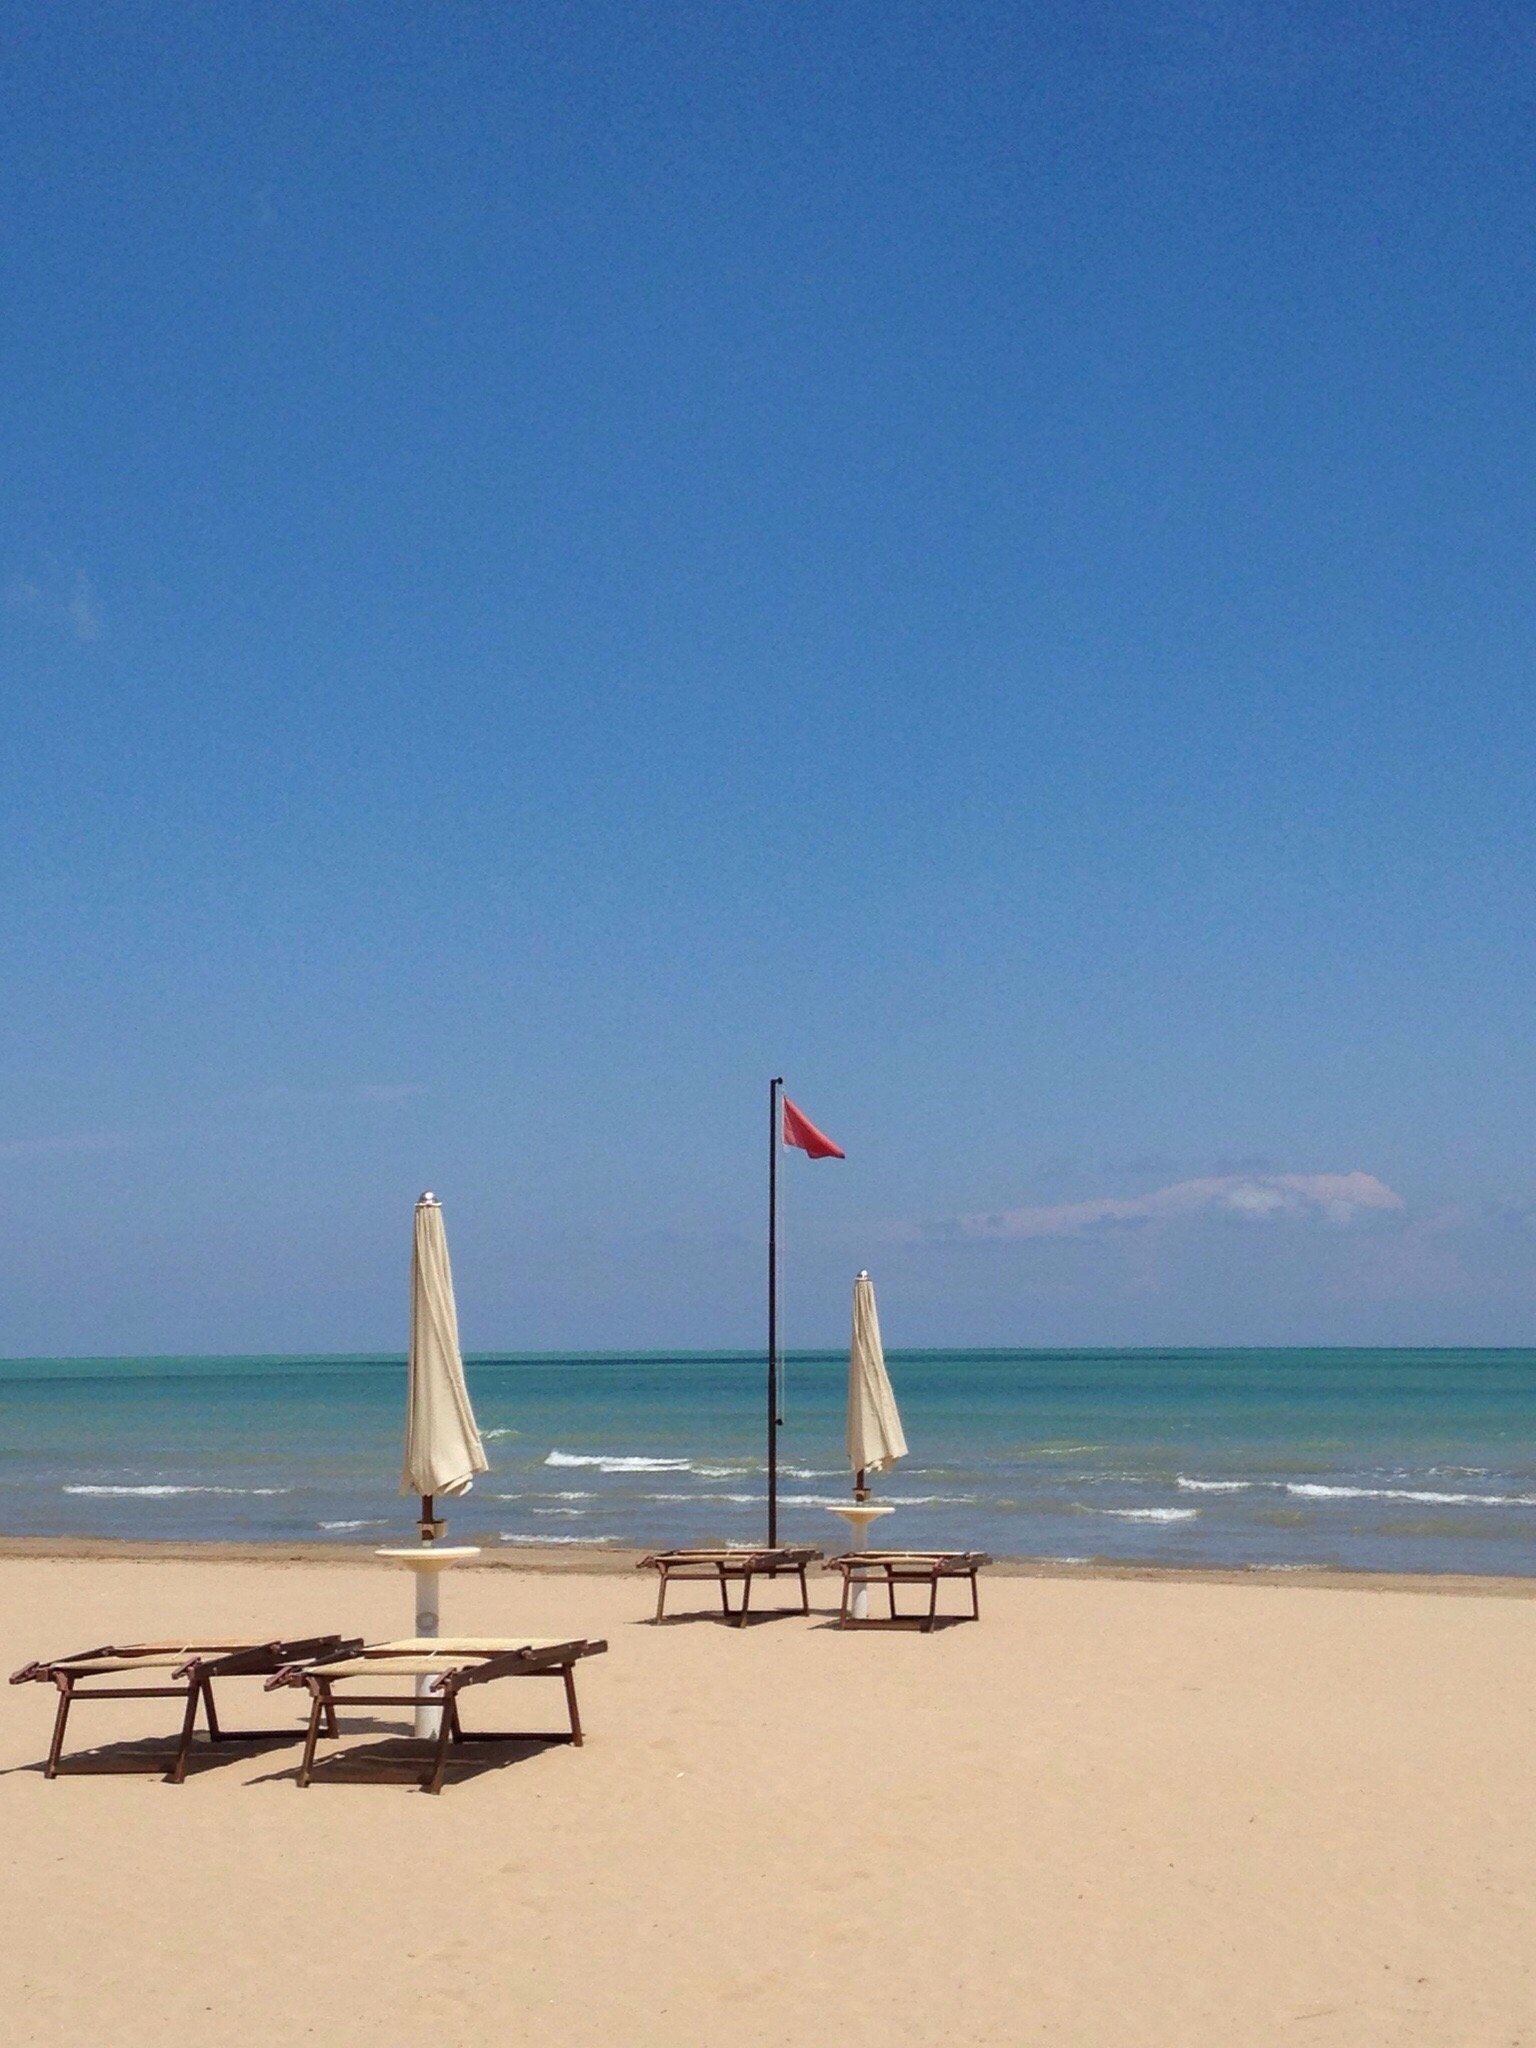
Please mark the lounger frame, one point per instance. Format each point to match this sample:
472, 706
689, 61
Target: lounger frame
723, 1567
893, 1568
191, 1668
453, 1667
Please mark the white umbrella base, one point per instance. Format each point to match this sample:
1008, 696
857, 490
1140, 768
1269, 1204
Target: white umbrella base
858, 1514
426, 1560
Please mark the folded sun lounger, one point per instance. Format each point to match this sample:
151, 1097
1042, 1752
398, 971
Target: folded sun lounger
721, 1566
190, 1669
385, 1675
894, 1568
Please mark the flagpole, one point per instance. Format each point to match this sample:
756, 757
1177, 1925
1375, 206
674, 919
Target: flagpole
773, 1309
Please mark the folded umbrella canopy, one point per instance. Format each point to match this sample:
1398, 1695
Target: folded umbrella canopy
443, 1451
875, 1439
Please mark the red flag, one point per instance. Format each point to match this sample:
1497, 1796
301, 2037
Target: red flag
799, 1130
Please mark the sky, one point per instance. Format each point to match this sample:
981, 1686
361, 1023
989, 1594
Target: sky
556, 563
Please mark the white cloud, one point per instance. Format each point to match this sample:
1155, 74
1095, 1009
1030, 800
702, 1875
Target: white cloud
1335, 1197
82, 612
59, 597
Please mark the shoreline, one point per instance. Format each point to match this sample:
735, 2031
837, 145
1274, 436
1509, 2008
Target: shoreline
613, 1560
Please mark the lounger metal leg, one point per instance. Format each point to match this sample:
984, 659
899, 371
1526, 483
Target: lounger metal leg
66, 1690
975, 1602
433, 1782
746, 1595
933, 1604
176, 1775
890, 1590
805, 1598
661, 1593
725, 1597
331, 1729
317, 1706
215, 1733
842, 1610
569, 1675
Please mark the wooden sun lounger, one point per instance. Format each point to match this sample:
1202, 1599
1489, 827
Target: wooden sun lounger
190, 1667
894, 1568
721, 1566
385, 1675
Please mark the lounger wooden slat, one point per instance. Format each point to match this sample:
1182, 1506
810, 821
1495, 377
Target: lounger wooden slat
720, 1567
458, 1646
453, 1664
191, 1667
893, 1568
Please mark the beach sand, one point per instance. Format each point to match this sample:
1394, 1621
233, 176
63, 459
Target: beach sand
1123, 1811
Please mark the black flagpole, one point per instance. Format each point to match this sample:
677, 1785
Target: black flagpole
773, 1309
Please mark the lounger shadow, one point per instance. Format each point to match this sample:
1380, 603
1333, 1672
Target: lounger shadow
186, 1671
432, 1671
397, 1759
724, 1568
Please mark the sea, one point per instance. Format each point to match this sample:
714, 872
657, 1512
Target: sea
1380, 1460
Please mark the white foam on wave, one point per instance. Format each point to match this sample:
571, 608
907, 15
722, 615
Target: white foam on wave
926, 1500
351, 1525
574, 1513
603, 1462
563, 1494
520, 1536
1144, 1514
1214, 1485
809, 1500
494, 1436
1310, 1491
162, 1492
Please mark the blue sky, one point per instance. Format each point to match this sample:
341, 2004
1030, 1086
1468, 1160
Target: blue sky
558, 562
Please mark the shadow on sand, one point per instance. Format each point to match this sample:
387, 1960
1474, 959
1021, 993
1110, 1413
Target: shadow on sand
145, 1756
405, 1759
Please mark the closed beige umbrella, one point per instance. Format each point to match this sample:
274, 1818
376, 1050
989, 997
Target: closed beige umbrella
875, 1439
443, 1451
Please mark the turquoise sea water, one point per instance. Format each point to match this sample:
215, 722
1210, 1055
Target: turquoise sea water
1388, 1460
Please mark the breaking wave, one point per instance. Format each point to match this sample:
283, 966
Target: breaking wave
602, 1462
1144, 1514
161, 1492
1310, 1491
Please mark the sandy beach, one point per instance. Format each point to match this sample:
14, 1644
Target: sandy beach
1137, 1810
